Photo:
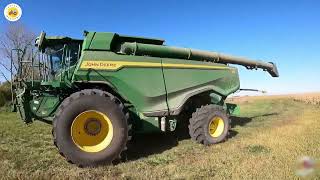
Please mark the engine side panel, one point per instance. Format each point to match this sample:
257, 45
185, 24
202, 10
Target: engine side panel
152, 84
137, 79
197, 77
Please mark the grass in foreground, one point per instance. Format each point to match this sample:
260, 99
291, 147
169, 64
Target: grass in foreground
265, 143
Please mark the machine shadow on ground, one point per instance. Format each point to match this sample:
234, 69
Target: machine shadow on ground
144, 145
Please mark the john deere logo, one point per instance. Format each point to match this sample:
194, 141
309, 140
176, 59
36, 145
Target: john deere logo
12, 12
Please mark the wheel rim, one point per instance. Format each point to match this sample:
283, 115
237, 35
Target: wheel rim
92, 131
216, 127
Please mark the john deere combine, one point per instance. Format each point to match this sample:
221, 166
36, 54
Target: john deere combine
101, 90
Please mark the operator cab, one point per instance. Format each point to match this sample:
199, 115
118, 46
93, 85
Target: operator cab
60, 52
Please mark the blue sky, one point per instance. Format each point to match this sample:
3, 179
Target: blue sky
286, 32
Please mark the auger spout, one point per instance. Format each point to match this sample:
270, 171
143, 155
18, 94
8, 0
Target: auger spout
133, 48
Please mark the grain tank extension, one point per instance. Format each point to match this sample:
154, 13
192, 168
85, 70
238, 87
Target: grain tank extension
101, 90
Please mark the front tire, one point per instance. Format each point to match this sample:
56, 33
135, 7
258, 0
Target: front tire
90, 128
209, 125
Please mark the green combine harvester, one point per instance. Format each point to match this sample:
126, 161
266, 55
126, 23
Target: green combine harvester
101, 90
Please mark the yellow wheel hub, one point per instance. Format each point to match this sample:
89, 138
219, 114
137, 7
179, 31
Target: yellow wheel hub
216, 127
92, 131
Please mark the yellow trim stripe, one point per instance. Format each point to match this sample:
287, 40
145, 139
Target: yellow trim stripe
115, 65
197, 66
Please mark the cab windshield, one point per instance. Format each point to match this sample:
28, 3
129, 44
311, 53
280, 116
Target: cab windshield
62, 56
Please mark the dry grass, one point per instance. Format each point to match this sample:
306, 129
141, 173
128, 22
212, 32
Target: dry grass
265, 143
312, 98
309, 98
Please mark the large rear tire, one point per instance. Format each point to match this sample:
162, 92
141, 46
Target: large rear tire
209, 125
90, 128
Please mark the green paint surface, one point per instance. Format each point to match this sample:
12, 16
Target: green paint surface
155, 79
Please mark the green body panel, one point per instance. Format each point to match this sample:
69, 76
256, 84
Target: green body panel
44, 106
143, 124
87, 41
143, 87
148, 88
183, 83
232, 109
101, 41
154, 81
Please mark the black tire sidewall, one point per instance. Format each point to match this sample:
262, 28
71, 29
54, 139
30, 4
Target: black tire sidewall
72, 110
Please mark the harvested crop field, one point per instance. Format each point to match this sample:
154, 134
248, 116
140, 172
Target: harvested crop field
311, 98
267, 139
